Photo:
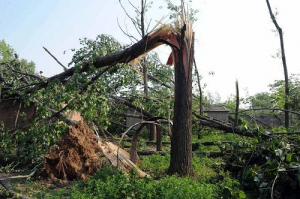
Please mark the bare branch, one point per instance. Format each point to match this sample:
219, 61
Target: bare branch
133, 21
148, 26
126, 33
133, 5
271, 109
20, 72
8, 177
65, 68
142, 18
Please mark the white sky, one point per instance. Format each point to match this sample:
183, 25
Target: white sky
233, 37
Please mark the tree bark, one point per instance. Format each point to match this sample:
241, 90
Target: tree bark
181, 140
134, 142
158, 137
286, 78
152, 133
223, 127
144, 63
200, 90
237, 104
200, 98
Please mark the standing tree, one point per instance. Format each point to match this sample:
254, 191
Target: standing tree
181, 140
180, 38
286, 78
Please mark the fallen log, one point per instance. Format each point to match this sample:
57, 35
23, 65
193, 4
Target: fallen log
208, 154
222, 126
11, 193
15, 176
195, 143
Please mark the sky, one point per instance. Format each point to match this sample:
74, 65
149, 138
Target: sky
234, 38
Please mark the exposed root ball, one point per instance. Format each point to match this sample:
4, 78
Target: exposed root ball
76, 154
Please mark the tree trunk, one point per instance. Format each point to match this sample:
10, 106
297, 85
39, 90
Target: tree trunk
152, 132
200, 98
286, 78
158, 137
144, 63
181, 140
237, 104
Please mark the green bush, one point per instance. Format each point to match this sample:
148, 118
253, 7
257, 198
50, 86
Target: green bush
156, 165
113, 183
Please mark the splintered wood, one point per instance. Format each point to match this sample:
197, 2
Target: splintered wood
119, 157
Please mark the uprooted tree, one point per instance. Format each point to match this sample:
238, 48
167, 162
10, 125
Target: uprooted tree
85, 73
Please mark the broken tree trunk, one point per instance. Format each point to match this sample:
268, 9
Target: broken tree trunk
181, 140
237, 104
286, 78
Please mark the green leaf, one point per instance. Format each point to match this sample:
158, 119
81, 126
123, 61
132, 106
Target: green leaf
288, 157
242, 194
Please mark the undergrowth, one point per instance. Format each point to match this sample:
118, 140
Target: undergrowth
113, 183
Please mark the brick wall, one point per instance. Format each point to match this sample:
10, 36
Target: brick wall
12, 113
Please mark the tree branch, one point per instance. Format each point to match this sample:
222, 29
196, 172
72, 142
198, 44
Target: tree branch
20, 72
65, 68
123, 56
265, 108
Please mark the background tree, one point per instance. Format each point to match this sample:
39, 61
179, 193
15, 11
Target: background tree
14, 72
260, 100
277, 96
140, 25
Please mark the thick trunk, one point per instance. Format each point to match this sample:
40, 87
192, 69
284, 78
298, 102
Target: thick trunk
181, 140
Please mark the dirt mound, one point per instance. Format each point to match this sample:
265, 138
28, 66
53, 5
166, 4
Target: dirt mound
76, 155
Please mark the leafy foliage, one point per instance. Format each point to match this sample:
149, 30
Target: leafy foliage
82, 92
176, 11
278, 93
10, 68
112, 183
